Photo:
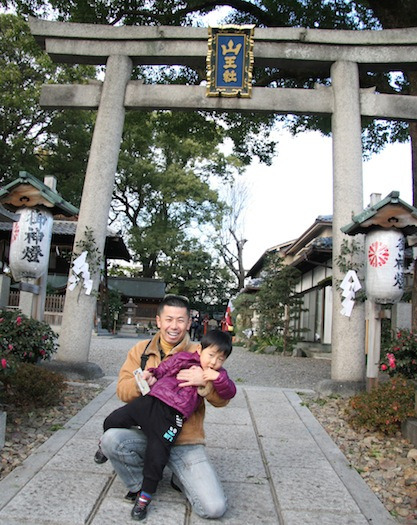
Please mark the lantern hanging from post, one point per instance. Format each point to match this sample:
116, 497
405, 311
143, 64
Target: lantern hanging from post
384, 249
30, 243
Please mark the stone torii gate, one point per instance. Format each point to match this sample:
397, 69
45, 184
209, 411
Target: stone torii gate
339, 54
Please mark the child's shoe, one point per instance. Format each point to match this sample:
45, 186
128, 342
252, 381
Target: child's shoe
140, 508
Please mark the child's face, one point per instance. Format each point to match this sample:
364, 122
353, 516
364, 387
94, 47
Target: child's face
211, 357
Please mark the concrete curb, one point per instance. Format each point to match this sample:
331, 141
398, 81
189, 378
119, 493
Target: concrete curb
367, 501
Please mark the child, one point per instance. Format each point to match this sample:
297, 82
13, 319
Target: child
160, 414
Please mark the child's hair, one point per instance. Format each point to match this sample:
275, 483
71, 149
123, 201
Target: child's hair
222, 340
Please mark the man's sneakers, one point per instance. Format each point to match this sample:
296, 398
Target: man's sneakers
175, 484
99, 457
140, 508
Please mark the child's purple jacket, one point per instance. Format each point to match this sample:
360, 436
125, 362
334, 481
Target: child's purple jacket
185, 399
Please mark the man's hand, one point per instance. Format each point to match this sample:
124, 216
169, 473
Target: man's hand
191, 377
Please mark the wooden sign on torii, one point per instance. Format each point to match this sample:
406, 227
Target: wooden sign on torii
339, 54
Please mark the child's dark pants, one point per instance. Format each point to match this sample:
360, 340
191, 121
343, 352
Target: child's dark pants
161, 425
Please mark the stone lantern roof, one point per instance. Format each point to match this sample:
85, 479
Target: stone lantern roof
391, 212
27, 190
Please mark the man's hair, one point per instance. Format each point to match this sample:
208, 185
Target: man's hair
222, 340
174, 300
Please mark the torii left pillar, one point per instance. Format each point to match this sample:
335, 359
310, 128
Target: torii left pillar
77, 322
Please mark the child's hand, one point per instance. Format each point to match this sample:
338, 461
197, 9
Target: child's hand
149, 377
210, 375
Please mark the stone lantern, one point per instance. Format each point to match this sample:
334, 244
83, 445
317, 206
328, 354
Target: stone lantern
130, 312
386, 223
34, 202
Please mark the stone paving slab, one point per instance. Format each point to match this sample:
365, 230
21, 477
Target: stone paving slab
276, 463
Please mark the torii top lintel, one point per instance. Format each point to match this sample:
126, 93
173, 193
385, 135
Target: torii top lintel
392, 49
316, 49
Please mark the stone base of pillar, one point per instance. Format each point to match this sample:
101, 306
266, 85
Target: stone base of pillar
3, 417
4, 290
328, 387
74, 370
409, 430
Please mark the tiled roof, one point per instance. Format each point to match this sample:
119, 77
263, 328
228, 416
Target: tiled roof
115, 246
138, 287
59, 228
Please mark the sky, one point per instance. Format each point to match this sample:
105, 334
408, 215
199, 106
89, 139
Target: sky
287, 197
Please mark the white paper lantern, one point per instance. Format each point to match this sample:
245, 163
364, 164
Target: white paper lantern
30, 244
384, 278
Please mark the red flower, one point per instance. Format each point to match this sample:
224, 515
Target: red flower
18, 320
4, 363
391, 360
10, 347
384, 367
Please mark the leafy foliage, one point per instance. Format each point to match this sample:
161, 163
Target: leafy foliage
31, 138
162, 187
34, 386
112, 307
259, 344
384, 408
275, 296
244, 305
400, 356
194, 272
23, 339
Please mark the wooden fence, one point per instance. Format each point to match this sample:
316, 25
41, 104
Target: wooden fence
54, 307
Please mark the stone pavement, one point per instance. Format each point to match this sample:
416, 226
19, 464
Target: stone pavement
276, 463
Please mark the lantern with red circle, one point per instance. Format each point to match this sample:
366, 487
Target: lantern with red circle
384, 252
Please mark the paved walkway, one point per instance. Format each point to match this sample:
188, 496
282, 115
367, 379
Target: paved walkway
277, 465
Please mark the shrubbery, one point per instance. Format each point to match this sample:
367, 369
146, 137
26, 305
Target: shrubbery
33, 386
400, 356
260, 343
24, 342
384, 408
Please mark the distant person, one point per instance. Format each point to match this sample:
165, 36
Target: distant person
212, 324
161, 413
224, 327
205, 323
194, 327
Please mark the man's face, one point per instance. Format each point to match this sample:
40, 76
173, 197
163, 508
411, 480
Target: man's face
173, 324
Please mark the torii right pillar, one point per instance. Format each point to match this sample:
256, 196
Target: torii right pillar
348, 333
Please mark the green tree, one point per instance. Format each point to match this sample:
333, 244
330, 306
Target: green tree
163, 182
194, 272
244, 306
277, 305
29, 135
